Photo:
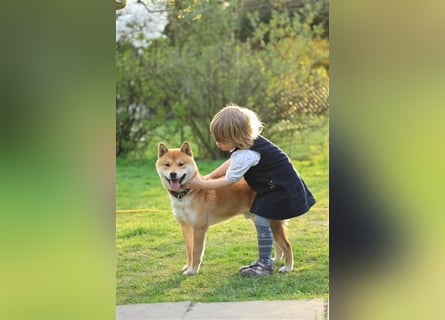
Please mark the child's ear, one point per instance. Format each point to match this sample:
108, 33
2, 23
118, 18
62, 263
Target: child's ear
162, 149
185, 148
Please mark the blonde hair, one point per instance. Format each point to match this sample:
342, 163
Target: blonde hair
236, 125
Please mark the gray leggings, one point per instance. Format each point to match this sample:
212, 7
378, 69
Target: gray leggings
261, 221
265, 239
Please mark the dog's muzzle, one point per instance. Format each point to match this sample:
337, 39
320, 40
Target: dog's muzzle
175, 183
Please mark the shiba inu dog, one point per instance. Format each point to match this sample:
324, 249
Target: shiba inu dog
196, 210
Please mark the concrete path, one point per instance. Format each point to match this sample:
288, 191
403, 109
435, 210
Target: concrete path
314, 309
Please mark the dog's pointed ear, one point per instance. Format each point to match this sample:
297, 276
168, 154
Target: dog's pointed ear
162, 149
185, 147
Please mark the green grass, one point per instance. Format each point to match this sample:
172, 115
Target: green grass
151, 251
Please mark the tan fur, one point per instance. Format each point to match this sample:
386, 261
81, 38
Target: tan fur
199, 209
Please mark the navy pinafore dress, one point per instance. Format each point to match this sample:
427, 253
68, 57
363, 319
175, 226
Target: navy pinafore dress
281, 192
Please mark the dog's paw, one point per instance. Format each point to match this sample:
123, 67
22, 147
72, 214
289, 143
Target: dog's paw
189, 272
185, 268
285, 269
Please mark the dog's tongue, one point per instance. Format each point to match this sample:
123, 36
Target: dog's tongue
174, 185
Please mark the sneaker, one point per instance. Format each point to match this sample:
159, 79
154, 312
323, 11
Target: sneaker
257, 269
249, 265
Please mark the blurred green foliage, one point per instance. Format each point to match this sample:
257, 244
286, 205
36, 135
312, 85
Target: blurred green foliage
279, 69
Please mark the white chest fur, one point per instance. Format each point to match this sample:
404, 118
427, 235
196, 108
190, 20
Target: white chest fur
181, 209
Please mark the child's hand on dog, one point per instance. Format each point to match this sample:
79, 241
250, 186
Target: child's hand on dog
199, 183
194, 183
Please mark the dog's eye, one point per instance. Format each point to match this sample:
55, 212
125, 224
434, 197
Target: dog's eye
167, 164
180, 164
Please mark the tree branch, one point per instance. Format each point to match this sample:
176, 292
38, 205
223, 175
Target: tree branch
148, 10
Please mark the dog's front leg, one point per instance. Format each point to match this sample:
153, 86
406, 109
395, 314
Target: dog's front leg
198, 249
187, 233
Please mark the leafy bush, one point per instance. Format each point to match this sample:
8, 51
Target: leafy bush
279, 71
138, 102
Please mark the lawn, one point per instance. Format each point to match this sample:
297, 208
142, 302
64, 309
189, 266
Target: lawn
151, 252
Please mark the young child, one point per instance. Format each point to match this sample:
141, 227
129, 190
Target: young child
281, 192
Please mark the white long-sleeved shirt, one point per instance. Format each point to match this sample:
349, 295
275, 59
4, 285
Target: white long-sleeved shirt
240, 162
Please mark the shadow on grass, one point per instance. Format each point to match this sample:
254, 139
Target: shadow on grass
207, 286
295, 285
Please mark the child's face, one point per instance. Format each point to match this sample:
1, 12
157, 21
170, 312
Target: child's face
224, 146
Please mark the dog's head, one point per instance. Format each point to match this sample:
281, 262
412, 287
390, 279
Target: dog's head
175, 166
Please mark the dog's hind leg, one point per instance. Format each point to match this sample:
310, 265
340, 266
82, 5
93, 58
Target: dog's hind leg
282, 242
187, 233
278, 252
